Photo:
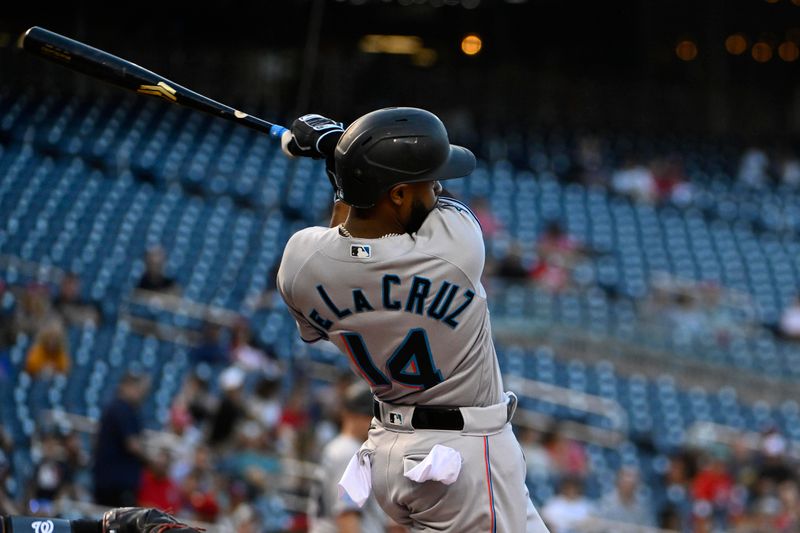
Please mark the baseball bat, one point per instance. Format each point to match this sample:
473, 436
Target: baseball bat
88, 60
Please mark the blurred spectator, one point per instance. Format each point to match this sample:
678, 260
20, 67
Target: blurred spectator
48, 354
635, 180
231, 408
724, 314
685, 315
77, 461
589, 160
7, 505
74, 310
240, 513
294, 424
712, 491
567, 456
119, 454
789, 170
554, 242
774, 466
154, 278
265, 405
247, 356
625, 504
33, 309
51, 476
788, 519
252, 455
697, 311
789, 326
191, 409
193, 405
198, 455
537, 458
669, 177
490, 224
199, 487
564, 511
157, 488
753, 168
674, 511
328, 398
330, 513
743, 469
510, 267
210, 350
558, 253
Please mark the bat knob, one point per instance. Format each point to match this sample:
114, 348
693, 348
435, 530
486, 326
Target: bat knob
21, 40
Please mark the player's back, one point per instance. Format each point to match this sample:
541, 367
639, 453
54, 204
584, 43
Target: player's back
409, 311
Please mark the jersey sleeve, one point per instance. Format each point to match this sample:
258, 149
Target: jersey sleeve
452, 232
287, 274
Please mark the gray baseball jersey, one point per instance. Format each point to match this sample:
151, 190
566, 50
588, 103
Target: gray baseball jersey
325, 504
409, 311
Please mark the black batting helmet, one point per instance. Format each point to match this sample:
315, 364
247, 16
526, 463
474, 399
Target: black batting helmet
395, 145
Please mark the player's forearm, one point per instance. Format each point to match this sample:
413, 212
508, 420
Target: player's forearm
339, 214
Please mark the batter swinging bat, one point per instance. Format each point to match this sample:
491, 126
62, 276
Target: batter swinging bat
98, 64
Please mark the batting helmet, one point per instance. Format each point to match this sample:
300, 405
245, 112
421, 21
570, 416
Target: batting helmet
395, 145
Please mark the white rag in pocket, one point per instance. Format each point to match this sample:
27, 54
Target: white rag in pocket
356, 481
441, 464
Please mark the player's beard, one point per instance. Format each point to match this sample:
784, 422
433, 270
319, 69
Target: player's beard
418, 215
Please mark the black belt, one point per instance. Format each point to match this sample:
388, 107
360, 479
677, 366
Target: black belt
429, 417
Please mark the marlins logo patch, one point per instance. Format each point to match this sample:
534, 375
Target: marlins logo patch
362, 251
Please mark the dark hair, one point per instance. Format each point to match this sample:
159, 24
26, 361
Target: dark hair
358, 399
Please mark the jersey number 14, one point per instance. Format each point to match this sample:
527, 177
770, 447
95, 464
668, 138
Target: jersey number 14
410, 365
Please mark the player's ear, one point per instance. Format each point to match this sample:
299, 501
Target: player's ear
398, 194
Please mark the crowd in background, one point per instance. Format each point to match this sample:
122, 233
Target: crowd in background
742, 485
222, 459
233, 425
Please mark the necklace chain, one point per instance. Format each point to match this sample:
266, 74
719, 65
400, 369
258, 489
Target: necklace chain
346, 233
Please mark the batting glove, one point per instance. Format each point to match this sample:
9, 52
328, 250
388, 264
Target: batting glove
138, 520
312, 136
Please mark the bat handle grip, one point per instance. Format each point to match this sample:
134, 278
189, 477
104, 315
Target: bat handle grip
277, 131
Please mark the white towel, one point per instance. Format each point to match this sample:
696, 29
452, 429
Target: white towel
356, 481
441, 464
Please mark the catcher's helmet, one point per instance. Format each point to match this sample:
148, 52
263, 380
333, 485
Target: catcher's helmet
395, 145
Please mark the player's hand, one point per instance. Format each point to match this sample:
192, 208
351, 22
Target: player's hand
139, 520
312, 136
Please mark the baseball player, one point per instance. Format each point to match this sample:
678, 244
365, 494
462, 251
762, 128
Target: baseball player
394, 283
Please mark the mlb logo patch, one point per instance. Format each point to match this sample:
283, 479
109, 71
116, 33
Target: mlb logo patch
362, 251
396, 418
